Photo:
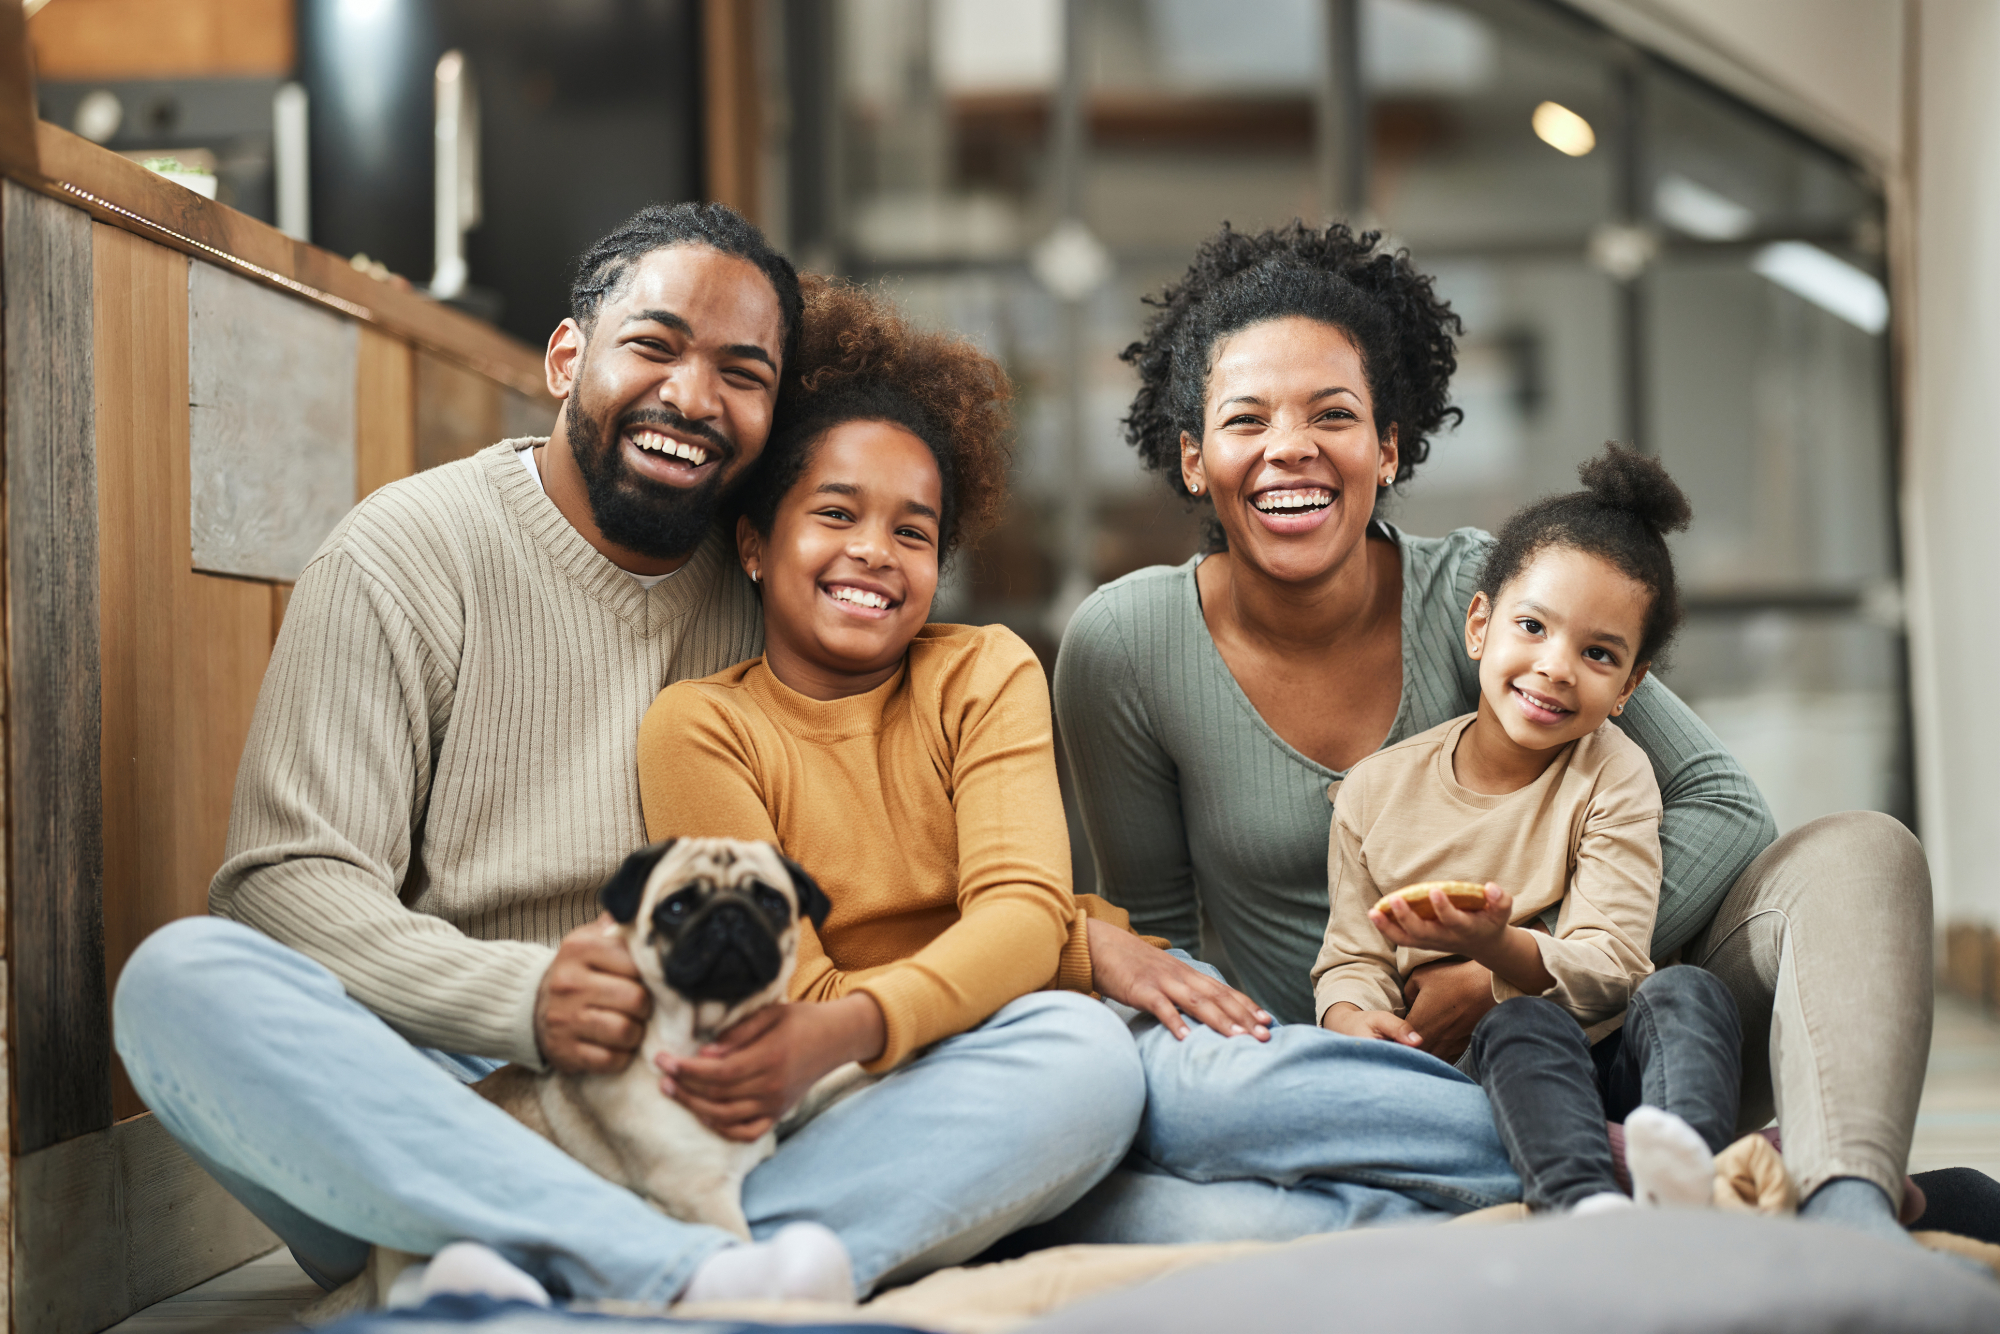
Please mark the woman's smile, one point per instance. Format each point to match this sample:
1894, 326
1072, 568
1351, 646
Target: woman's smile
1289, 450
1293, 508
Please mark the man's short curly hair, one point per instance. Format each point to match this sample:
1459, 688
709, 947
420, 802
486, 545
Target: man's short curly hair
1402, 330
602, 268
860, 360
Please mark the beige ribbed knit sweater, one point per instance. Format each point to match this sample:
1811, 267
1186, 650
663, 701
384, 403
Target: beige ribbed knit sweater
443, 766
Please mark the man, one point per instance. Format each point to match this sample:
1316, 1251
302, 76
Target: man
441, 772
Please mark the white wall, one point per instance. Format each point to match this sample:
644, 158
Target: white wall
1951, 496
1839, 68
1842, 56
1831, 67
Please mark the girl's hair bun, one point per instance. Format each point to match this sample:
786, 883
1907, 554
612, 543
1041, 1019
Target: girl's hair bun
1624, 479
1623, 515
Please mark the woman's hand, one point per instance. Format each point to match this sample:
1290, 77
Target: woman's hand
1447, 1000
1126, 969
1345, 1017
739, 1085
1454, 932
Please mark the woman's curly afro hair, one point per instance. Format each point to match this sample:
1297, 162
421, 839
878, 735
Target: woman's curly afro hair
860, 360
1402, 330
1622, 516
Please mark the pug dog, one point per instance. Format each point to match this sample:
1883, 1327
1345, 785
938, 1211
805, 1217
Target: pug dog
712, 924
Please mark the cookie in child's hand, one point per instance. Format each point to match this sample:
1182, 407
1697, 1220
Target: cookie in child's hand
1464, 895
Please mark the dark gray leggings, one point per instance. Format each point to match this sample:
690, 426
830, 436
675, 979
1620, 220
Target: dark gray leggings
1679, 1050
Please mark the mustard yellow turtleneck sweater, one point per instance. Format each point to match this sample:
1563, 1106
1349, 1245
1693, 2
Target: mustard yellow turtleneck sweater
927, 809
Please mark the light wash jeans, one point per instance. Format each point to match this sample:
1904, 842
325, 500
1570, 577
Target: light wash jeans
1310, 1132
339, 1133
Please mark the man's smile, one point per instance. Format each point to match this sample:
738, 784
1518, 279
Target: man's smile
658, 442
679, 458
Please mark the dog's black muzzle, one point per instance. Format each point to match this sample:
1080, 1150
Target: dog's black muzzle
725, 954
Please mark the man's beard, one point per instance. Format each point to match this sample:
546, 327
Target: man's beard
650, 518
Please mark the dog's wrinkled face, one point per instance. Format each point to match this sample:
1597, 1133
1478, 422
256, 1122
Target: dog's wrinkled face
714, 920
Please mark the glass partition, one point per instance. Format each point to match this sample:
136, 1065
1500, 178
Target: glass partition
1636, 255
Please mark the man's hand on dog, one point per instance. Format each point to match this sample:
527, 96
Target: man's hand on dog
592, 1008
1126, 969
739, 1085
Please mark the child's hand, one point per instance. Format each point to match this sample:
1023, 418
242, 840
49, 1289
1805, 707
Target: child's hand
1342, 1017
1454, 932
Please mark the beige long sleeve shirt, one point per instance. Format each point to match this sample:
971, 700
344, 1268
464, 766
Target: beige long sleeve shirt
443, 767
1584, 838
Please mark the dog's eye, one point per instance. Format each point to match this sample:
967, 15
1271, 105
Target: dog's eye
772, 904
672, 912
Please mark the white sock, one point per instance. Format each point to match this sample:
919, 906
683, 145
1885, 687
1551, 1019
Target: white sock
803, 1261
1604, 1202
465, 1267
1670, 1165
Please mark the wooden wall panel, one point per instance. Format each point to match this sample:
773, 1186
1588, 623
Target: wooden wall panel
192, 222
459, 412
271, 388
183, 652
61, 1066
163, 39
732, 104
18, 150
521, 415
123, 1218
385, 417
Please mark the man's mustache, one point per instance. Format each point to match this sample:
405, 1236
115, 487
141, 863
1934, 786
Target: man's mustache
661, 419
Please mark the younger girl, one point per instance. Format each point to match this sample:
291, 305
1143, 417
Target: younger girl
910, 769
1539, 793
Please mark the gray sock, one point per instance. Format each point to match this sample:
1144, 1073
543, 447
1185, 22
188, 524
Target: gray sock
1854, 1202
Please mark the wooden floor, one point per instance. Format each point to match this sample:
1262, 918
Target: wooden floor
1958, 1122
259, 1296
1958, 1125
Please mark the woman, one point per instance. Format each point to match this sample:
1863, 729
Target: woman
1209, 711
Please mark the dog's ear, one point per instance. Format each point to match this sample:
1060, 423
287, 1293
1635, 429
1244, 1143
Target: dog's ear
814, 905
622, 892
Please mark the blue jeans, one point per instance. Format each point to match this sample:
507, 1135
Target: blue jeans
340, 1134
1681, 1049
1310, 1132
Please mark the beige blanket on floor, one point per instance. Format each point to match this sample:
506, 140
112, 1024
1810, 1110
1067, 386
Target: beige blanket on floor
991, 1299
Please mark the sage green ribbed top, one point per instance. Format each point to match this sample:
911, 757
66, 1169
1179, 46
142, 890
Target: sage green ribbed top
1193, 803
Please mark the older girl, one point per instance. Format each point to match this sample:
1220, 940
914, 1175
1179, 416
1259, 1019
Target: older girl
911, 769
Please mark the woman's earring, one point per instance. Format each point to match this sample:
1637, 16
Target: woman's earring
756, 576
1195, 489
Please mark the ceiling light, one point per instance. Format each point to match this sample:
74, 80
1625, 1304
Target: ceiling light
1833, 285
1563, 130
1692, 207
